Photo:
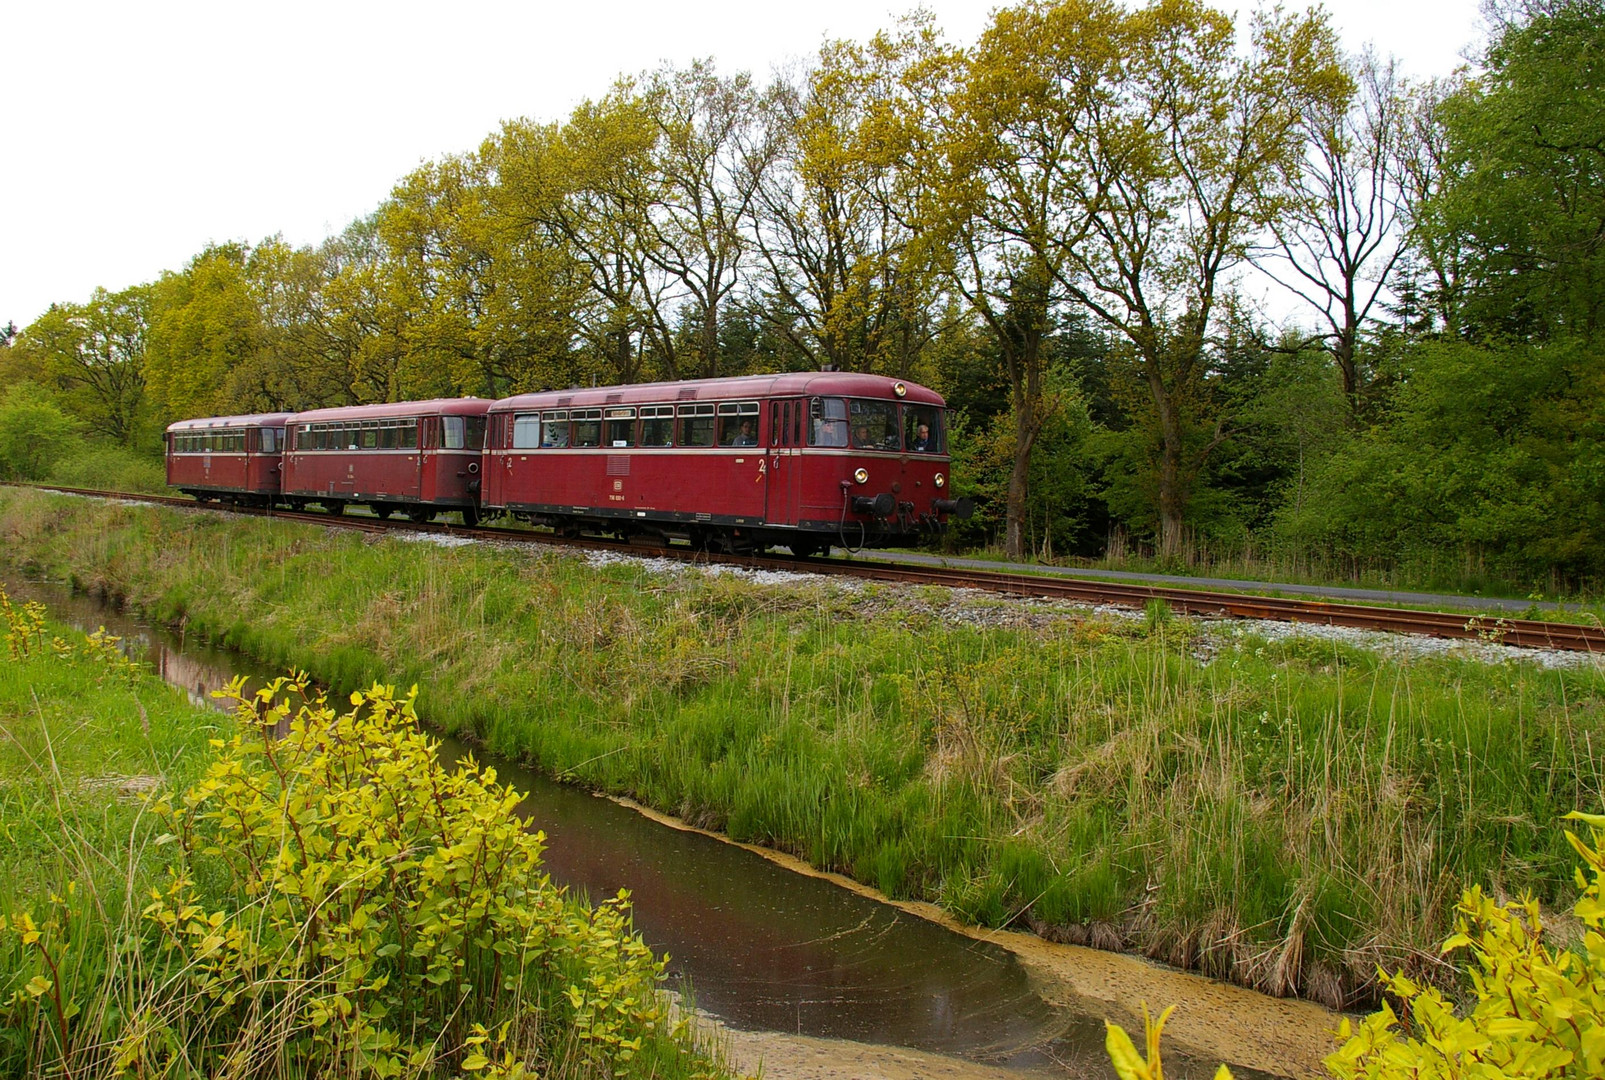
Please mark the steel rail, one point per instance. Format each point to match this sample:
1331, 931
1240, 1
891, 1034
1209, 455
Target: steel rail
1526, 633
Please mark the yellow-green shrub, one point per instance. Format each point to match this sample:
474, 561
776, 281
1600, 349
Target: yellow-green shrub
344, 904
1538, 1012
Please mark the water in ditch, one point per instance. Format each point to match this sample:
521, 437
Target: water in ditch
763, 947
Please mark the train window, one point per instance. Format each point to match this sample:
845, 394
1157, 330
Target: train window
828, 422
526, 431
874, 425
555, 429
657, 425
266, 441
387, 437
368, 435
696, 425
409, 434
454, 432
738, 423
476, 432
620, 427
586, 426
922, 429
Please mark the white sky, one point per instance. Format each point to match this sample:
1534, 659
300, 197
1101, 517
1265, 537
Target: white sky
134, 132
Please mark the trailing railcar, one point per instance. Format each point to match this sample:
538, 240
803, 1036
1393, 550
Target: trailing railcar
234, 459
419, 458
804, 460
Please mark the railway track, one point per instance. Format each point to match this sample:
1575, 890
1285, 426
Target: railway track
1527, 633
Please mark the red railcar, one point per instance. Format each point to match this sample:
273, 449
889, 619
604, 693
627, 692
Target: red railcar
417, 457
234, 459
806, 460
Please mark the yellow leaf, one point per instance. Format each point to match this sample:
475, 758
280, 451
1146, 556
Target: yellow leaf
1128, 1065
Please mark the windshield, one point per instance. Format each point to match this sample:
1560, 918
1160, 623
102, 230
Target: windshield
874, 425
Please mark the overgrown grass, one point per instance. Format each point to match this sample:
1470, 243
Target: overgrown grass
1285, 815
1466, 573
181, 895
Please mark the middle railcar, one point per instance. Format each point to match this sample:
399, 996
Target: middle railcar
804, 460
415, 457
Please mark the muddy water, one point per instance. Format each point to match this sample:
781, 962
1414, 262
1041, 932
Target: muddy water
819, 978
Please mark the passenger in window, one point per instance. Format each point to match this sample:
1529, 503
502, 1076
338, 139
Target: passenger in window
744, 436
923, 443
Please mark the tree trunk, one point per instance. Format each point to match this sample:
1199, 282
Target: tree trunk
1025, 435
1172, 497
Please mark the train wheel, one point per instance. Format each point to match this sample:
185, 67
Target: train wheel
383, 512
335, 507
420, 514
470, 516
804, 549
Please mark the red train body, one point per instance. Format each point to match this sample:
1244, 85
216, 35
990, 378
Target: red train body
233, 459
417, 457
804, 460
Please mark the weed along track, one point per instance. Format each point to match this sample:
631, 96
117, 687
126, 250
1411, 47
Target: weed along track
1526, 633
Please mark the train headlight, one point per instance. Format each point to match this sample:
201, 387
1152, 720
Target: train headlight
861, 475
899, 389
939, 480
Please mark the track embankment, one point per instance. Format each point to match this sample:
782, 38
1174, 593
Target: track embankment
1525, 633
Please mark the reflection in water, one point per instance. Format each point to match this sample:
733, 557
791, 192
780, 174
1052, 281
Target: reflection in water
764, 948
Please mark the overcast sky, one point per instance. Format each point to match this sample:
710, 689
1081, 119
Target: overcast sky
136, 132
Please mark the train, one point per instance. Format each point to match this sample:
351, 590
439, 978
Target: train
802, 461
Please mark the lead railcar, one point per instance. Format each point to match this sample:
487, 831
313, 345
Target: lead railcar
233, 459
419, 458
804, 460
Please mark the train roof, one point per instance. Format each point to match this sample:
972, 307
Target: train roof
470, 406
791, 384
253, 420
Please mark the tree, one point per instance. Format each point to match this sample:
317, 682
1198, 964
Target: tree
710, 154
480, 308
34, 432
1523, 176
93, 355
204, 322
848, 281
1183, 153
589, 185
1340, 237
1008, 129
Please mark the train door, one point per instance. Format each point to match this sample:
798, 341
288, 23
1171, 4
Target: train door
428, 463
784, 489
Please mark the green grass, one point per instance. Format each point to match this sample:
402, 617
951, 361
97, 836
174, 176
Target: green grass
89, 742
1427, 571
1287, 816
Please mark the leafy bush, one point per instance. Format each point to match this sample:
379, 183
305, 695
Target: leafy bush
107, 467
342, 903
1539, 1010
34, 433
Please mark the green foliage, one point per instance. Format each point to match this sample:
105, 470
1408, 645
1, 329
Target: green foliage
1507, 473
34, 433
106, 467
1538, 1011
335, 899
1524, 188
1284, 815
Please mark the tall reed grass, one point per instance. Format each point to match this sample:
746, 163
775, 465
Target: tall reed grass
1285, 815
